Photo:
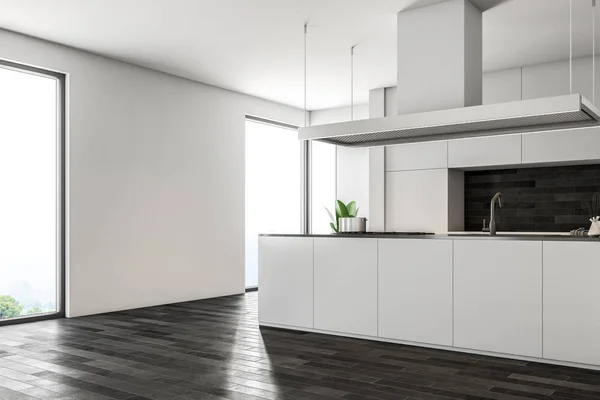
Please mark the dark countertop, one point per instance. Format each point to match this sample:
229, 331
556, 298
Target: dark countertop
459, 236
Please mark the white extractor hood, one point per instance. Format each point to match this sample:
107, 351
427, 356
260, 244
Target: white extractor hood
547, 113
439, 88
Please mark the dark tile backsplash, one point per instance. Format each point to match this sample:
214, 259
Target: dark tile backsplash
544, 199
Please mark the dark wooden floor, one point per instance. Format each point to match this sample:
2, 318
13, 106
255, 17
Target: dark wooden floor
213, 349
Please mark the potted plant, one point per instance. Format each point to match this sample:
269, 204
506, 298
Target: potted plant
342, 210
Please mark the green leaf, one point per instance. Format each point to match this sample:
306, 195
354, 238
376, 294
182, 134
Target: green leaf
333, 228
330, 215
352, 210
341, 210
334, 221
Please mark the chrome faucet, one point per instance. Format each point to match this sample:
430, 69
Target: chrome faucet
497, 196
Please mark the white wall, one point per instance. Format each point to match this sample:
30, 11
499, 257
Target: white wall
155, 180
353, 177
552, 79
540, 80
534, 81
391, 107
502, 86
338, 114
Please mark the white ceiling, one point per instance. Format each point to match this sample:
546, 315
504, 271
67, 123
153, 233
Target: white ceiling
256, 46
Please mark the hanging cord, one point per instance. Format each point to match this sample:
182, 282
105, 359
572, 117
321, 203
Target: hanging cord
570, 46
352, 83
594, 52
306, 156
305, 112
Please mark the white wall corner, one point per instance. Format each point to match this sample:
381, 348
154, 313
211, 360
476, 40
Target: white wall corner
377, 103
338, 114
376, 221
97, 169
353, 177
391, 104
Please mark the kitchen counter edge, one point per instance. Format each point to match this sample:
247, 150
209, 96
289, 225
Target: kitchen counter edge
442, 236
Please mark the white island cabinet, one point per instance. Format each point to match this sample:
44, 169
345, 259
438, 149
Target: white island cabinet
415, 290
525, 298
346, 285
285, 276
498, 296
572, 302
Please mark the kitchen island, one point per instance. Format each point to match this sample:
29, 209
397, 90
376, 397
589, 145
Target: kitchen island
532, 297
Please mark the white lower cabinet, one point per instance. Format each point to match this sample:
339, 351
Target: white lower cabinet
346, 285
415, 290
515, 297
498, 296
285, 279
572, 302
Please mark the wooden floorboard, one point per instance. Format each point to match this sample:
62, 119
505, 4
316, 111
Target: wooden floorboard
214, 349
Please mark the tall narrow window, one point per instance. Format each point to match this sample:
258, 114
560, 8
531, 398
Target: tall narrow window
31, 195
323, 186
273, 187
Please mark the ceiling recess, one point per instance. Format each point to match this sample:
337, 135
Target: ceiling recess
549, 113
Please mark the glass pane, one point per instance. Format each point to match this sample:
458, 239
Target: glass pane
323, 186
273, 187
28, 204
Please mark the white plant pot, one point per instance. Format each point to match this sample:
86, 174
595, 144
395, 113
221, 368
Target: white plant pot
595, 227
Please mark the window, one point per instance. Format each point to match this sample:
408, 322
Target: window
31, 171
274, 182
323, 182
273, 187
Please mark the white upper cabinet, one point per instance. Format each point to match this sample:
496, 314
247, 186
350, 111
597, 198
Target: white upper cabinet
484, 151
285, 278
346, 285
405, 157
415, 290
572, 302
570, 145
498, 296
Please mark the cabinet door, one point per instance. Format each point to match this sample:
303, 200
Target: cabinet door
346, 285
581, 144
415, 290
285, 281
484, 152
572, 302
498, 296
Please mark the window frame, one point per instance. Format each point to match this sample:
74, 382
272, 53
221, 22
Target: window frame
305, 168
61, 156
